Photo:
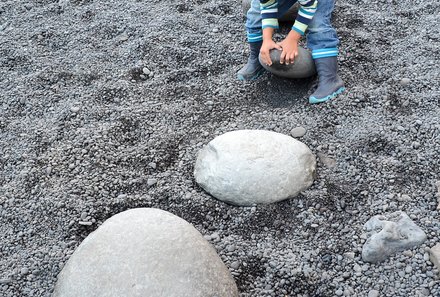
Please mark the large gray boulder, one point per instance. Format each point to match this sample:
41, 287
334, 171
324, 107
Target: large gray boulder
289, 16
145, 252
302, 67
248, 167
390, 234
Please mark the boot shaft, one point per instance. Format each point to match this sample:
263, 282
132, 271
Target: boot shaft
254, 49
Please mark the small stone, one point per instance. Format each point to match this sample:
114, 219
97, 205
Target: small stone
416, 144
83, 223
74, 109
215, 30
151, 182
24, 271
405, 81
349, 255
339, 292
373, 293
146, 71
298, 132
123, 37
5, 281
235, 265
435, 255
230, 248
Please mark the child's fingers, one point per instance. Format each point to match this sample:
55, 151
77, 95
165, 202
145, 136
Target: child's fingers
266, 58
283, 58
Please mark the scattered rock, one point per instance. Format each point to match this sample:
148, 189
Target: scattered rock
390, 234
151, 182
373, 293
405, 81
435, 255
298, 132
145, 252
438, 194
74, 109
5, 281
248, 167
302, 67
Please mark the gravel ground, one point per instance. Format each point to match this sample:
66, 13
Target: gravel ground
105, 104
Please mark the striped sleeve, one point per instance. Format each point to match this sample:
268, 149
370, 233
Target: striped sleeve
305, 14
269, 13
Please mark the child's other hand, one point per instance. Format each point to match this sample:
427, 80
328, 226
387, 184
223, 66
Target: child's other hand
290, 48
265, 50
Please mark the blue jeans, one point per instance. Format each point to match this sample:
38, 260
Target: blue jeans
321, 36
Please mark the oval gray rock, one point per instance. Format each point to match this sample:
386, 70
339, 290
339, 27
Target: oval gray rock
249, 167
145, 252
289, 16
302, 67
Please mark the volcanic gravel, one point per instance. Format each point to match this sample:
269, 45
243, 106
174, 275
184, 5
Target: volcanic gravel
104, 106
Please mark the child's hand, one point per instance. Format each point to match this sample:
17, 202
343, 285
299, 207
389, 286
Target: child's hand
265, 51
290, 48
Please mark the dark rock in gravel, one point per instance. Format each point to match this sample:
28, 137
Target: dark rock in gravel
302, 67
145, 252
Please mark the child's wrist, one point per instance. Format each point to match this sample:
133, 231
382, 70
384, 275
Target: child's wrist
267, 34
294, 36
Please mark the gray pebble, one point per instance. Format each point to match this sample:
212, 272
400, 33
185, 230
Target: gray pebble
235, 265
405, 81
5, 281
151, 181
298, 132
373, 293
74, 109
146, 71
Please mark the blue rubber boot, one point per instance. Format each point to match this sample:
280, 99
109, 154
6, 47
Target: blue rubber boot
330, 84
253, 69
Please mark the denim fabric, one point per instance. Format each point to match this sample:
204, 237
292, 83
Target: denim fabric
320, 33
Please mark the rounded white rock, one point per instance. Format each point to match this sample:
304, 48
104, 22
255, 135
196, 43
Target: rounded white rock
145, 252
248, 167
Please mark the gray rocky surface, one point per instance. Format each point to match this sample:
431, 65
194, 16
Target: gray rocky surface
302, 67
390, 234
248, 167
56, 165
145, 252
